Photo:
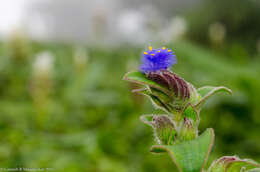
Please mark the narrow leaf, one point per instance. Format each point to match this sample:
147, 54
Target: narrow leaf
207, 91
157, 102
140, 78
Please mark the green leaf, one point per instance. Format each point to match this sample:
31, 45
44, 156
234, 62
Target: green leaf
232, 164
189, 156
242, 164
207, 91
194, 95
140, 78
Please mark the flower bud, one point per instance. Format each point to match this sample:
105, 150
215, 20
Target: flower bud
164, 129
179, 91
168, 90
188, 130
173, 82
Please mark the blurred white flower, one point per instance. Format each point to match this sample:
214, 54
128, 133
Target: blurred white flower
175, 30
43, 63
131, 26
217, 32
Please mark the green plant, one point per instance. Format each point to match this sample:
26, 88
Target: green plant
176, 132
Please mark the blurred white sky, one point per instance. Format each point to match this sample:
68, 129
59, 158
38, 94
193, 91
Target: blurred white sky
11, 13
94, 21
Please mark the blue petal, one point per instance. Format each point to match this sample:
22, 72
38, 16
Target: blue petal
157, 59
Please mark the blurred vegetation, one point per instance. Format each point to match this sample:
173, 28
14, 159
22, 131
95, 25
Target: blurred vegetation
74, 112
241, 20
82, 117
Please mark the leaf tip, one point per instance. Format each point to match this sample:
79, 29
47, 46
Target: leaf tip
228, 90
125, 78
158, 149
146, 119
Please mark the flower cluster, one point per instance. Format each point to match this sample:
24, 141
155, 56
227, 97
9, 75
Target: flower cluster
157, 59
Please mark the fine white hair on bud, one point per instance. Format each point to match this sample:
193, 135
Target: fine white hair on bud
164, 129
173, 82
188, 130
162, 121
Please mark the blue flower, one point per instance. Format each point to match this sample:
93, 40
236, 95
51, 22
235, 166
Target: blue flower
157, 59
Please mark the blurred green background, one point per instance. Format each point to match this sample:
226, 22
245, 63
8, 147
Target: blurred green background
64, 105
